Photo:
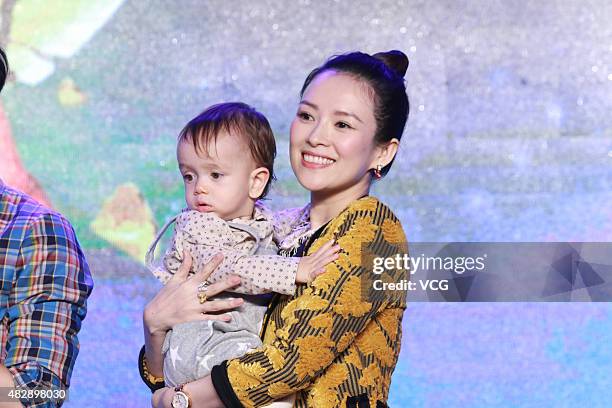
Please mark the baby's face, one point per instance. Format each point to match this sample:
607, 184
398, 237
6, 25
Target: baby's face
217, 178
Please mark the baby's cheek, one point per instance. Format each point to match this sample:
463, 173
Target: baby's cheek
189, 200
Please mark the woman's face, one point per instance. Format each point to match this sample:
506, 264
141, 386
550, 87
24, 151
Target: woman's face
332, 135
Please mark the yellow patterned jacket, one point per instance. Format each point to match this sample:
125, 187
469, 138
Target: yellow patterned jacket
336, 341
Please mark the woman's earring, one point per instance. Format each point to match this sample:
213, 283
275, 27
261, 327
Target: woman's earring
377, 170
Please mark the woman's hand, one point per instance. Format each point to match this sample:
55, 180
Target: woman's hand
314, 265
177, 301
162, 398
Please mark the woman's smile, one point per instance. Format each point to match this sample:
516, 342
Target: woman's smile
313, 161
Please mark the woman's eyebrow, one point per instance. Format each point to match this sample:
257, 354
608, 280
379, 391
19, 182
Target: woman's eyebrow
312, 105
338, 112
343, 113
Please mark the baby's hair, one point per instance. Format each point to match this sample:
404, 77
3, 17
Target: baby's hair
237, 119
384, 73
4, 68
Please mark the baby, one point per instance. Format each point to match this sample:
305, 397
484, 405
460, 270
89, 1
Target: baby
226, 156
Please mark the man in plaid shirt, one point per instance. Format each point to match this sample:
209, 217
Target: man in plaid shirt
44, 285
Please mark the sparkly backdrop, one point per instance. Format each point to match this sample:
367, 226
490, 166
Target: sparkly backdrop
509, 139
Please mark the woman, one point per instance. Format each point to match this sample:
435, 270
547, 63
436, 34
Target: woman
336, 341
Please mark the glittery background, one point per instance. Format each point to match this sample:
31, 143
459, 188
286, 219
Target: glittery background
509, 139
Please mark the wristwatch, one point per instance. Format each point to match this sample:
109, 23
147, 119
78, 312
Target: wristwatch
181, 399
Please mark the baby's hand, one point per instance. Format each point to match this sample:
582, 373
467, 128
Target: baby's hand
313, 265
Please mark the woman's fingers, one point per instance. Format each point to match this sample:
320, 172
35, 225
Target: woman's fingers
320, 263
330, 258
180, 302
317, 272
209, 268
325, 248
322, 250
221, 317
183, 271
222, 286
328, 244
325, 259
329, 248
220, 305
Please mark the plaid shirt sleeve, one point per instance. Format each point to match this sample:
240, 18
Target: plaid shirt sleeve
46, 305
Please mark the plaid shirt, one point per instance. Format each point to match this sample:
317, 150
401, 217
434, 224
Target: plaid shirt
44, 285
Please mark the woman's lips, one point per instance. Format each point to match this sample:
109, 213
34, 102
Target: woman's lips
311, 161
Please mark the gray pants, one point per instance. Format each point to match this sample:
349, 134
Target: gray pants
192, 349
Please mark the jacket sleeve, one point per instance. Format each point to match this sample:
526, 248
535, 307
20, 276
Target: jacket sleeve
324, 319
258, 273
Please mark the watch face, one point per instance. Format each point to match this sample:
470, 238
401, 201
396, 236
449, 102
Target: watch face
180, 400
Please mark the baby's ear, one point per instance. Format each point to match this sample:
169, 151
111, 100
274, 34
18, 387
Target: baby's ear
257, 182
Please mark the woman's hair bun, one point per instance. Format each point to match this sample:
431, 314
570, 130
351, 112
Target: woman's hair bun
394, 59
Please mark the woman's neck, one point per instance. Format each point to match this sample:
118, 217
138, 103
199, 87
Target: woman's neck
324, 205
